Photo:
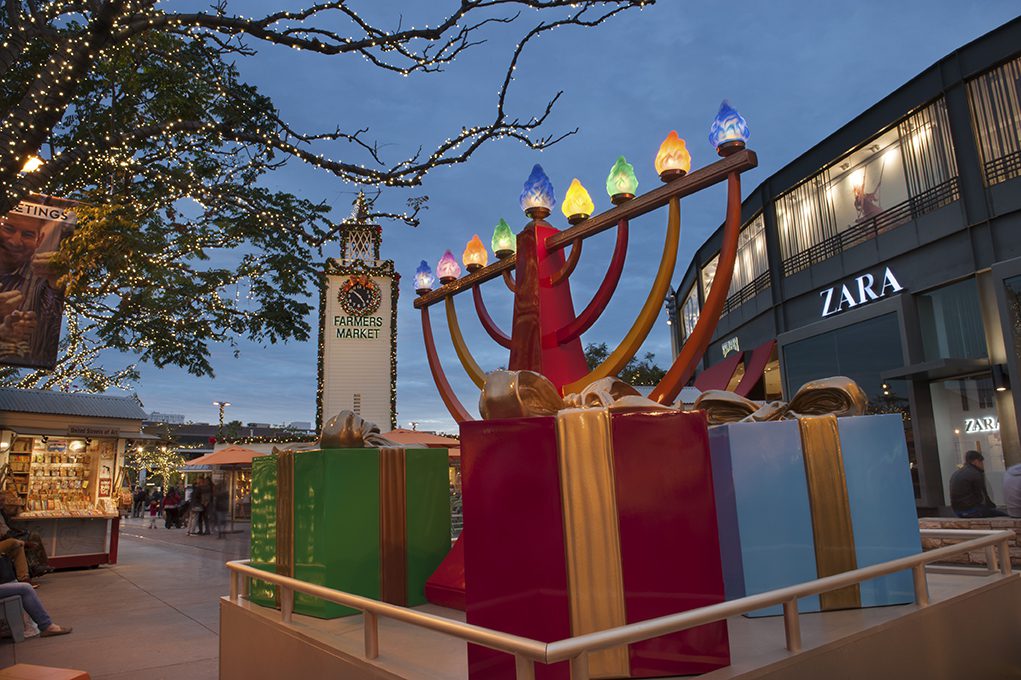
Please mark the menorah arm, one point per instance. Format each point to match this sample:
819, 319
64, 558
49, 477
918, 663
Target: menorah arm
494, 331
595, 308
694, 349
450, 400
568, 268
631, 343
508, 278
471, 367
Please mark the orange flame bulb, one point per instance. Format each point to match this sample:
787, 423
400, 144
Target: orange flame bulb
577, 202
475, 255
673, 159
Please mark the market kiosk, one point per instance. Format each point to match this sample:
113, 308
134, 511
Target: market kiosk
62, 459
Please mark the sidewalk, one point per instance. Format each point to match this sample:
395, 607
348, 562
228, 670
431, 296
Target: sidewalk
154, 615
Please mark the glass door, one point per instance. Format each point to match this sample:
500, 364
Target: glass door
964, 411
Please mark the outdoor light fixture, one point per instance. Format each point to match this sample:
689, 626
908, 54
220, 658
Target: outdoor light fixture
504, 243
729, 131
621, 184
32, 164
424, 278
448, 268
673, 159
1001, 379
475, 256
577, 205
537, 198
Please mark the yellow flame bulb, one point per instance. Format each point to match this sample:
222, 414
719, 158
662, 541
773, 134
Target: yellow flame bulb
475, 255
577, 201
673, 155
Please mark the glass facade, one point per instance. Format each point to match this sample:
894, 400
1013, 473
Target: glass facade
995, 100
689, 313
751, 268
951, 322
894, 177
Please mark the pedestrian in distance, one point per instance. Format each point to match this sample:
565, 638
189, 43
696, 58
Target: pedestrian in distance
968, 495
154, 508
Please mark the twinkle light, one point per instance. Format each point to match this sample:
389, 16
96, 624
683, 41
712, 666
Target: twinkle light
537, 197
729, 131
424, 278
504, 242
577, 205
32, 164
475, 256
621, 184
448, 268
673, 159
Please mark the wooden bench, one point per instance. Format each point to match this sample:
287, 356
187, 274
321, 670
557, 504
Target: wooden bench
975, 557
27, 671
11, 613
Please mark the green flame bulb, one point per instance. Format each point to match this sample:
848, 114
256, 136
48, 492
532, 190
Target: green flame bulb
503, 238
622, 178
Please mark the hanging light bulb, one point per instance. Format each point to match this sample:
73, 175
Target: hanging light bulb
32, 164
537, 198
448, 268
621, 184
475, 256
504, 242
729, 131
424, 278
577, 205
673, 159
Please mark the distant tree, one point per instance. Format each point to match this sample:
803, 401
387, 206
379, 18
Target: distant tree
160, 462
636, 372
141, 112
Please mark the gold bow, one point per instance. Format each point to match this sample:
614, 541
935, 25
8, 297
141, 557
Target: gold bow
839, 396
348, 430
526, 394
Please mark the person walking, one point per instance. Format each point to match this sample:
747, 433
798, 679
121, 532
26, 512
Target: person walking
170, 504
221, 504
968, 495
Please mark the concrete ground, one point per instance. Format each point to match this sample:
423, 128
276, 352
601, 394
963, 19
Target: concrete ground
153, 615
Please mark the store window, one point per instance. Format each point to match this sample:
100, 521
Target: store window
964, 411
995, 99
951, 322
689, 312
751, 268
862, 352
896, 176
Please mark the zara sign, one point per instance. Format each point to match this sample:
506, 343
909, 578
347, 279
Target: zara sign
858, 292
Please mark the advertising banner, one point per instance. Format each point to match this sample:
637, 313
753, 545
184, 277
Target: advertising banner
31, 303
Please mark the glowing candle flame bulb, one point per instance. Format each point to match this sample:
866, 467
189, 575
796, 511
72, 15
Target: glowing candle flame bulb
622, 183
424, 278
577, 205
504, 242
475, 256
448, 268
673, 159
537, 199
729, 131
32, 164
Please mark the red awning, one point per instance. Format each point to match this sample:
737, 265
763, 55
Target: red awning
755, 367
717, 376
231, 455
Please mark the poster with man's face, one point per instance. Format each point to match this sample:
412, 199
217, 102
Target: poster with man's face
31, 302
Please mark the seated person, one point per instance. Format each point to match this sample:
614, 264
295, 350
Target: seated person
15, 550
35, 552
968, 494
34, 608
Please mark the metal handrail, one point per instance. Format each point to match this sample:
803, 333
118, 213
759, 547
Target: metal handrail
576, 649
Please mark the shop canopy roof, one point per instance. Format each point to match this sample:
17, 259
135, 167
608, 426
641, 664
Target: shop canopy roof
70, 404
231, 455
425, 439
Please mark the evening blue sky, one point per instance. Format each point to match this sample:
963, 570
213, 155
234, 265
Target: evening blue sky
797, 71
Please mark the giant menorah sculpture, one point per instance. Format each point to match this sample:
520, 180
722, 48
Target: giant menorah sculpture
546, 332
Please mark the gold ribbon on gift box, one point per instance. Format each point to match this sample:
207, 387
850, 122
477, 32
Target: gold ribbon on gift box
816, 407
595, 581
347, 430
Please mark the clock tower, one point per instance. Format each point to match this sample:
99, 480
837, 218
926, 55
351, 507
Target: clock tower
358, 326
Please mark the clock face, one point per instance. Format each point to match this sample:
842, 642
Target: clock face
360, 296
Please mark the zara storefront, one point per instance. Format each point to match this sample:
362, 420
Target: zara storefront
897, 264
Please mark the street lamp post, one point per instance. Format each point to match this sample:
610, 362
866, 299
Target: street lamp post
222, 405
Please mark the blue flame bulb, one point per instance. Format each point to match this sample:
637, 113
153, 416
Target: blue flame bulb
424, 278
538, 192
728, 126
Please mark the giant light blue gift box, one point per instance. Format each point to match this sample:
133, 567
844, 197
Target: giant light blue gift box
764, 515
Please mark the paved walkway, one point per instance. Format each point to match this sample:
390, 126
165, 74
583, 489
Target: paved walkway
154, 615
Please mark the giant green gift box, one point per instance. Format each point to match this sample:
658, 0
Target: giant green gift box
346, 511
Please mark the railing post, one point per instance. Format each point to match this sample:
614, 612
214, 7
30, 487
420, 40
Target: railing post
792, 625
246, 586
921, 585
524, 668
579, 667
234, 585
991, 559
370, 623
286, 603
1005, 557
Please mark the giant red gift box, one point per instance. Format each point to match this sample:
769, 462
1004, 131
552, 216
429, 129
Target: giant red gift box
516, 561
